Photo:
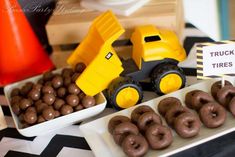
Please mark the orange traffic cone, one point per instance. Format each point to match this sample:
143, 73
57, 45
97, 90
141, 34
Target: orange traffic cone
21, 54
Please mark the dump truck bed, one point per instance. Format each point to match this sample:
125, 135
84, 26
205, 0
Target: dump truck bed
103, 64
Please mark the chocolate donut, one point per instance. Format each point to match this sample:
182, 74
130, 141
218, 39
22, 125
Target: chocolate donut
137, 112
135, 145
166, 103
187, 125
231, 106
188, 98
122, 130
113, 122
225, 95
174, 112
212, 115
217, 86
158, 136
200, 98
147, 119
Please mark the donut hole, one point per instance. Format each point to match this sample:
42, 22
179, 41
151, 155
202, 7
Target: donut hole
190, 124
160, 136
214, 114
135, 145
149, 122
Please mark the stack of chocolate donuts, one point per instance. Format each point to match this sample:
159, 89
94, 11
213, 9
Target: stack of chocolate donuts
211, 113
185, 123
144, 129
127, 135
150, 125
224, 95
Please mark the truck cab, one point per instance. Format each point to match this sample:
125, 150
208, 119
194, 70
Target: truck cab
151, 44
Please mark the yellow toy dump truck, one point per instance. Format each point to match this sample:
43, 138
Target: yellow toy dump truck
155, 55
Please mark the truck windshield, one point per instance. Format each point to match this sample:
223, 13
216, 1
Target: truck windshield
152, 38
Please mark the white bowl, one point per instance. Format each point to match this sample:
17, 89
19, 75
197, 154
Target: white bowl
57, 123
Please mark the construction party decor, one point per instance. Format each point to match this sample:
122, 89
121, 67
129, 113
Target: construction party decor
21, 54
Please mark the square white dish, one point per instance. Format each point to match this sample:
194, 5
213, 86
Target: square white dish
103, 145
57, 123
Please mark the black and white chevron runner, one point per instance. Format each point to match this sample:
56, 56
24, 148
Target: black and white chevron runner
70, 142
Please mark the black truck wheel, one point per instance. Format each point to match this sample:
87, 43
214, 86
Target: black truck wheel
124, 92
167, 78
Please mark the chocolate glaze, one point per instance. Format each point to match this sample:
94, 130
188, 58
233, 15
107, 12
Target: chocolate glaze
47, 76
78, 107
137, 112
88, 101
40, 106
26, 88
31, 109
15, 99
38, 87
40, 119
187, 125
61, 92
80, 67
66, 109
231, 106
135, 145
30, 117
57, 114
217, 86
113, 122
67, 72
72, 100
75, 76
225, 95
48, 98
67, 81
212, 115
200, 98
188, 98
25, 103
174, 112
48, 113
147, 119
15, 92
166, 103
47, 90
40, 81
34, 94
58, 103
158, 136
16, 108
57, 82
122, 130
73, 89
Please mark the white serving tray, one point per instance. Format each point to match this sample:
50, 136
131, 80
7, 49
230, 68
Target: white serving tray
103, 145
56, 123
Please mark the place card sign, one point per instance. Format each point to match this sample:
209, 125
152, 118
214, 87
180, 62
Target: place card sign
215, 59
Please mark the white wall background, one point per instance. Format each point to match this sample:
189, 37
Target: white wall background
204, 15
